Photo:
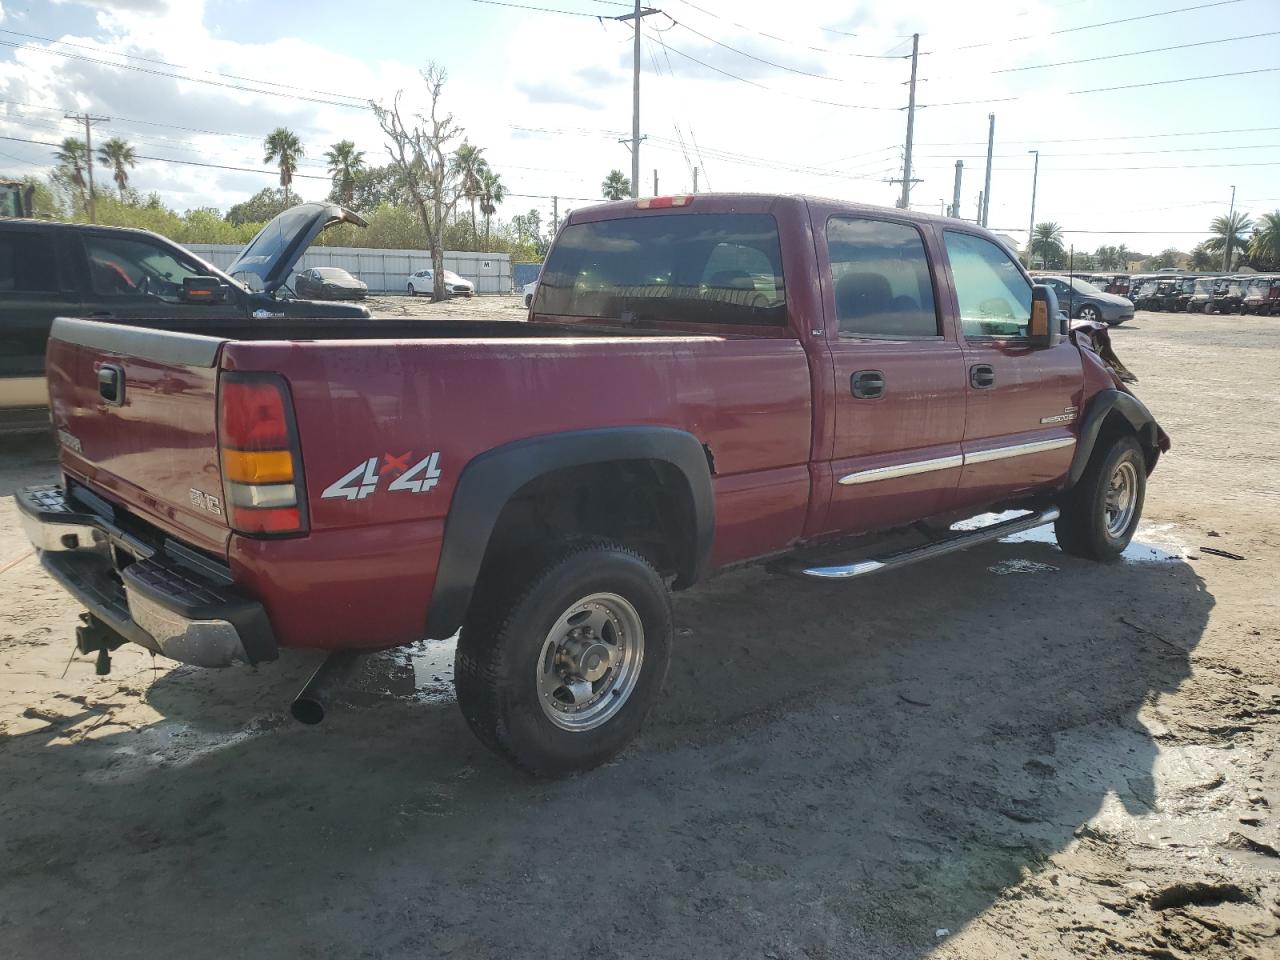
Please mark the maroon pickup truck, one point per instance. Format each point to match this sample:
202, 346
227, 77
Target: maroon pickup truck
702, 382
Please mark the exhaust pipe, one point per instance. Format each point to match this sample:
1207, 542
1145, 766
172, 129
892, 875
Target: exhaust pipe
309, 705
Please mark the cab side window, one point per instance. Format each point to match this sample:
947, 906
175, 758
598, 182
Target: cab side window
27, 263
881, 280
127, 267
994, 296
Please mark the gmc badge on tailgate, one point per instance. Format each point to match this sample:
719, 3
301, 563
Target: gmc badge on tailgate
206, 501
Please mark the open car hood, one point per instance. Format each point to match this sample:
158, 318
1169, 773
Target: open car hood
266, 263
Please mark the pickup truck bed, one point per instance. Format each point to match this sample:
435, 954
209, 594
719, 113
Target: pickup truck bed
693, 390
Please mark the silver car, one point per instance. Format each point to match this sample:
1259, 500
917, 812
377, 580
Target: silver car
1079, 298
454, 286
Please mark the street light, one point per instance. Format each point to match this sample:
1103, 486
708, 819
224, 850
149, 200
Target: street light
1031, 230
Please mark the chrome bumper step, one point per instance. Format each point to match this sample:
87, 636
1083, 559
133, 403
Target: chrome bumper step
960, 540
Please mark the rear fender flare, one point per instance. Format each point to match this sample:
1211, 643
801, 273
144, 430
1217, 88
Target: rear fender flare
491, 479
1132, 409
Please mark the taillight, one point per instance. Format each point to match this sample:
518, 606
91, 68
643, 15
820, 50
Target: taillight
258, 443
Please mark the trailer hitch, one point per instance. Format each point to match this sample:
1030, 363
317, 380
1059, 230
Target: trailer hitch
94, 636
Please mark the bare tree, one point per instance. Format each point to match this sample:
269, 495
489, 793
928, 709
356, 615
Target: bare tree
418, 149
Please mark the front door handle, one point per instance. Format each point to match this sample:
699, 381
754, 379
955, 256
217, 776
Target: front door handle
982, 376
867, 384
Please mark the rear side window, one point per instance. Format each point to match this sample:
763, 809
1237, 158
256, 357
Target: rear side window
994, 296
880, 276
27, 263
723, 268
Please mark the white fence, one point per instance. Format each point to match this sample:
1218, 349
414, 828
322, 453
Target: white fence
385, 271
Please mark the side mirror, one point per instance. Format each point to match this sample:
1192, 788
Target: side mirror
203, 290
1044, 317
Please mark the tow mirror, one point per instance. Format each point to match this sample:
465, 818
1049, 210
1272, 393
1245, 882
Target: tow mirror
203, 290
1041, 331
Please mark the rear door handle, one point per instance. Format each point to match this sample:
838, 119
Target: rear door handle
982, 376
867, 384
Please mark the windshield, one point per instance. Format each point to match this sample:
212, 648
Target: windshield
332, 273
723, 268
1084, 287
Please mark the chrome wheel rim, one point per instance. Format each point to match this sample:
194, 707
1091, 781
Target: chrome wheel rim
1122, 498
590, 662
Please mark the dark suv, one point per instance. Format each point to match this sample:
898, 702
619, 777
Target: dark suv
50, 269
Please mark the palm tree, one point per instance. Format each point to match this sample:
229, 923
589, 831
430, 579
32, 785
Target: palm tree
1123, 255
345, 161
118, 155
1265, 245
1200, 258
1228, 233
492, 193
283, 148
1048, 240
616, 185
468, 163
72, 156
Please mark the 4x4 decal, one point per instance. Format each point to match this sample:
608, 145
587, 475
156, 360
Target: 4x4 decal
363, 479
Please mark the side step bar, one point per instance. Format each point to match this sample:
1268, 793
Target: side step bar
962, 540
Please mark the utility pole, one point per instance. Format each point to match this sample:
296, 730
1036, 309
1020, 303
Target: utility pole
955, 190
978, 219
88, 122
695, 179
555, 215
986, 190
635, 96
1031, 229
905, 202
1226, 246
655, 181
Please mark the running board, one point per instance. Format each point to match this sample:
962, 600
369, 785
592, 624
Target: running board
962, 540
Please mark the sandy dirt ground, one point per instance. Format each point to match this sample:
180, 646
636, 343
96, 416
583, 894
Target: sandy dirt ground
1005, 753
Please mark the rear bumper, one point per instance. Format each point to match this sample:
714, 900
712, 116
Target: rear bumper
144, 594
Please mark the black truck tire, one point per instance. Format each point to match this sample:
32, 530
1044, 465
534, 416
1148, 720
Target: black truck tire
557, 672
1101, 512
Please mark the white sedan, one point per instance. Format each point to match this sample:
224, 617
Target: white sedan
529, 290
454, 286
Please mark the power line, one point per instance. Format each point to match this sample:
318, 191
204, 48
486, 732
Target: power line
770, 36
1089, 26
1110, 153
1131, 136
1124, 86
523, 6
177, 66
175, 76
750, 56
1136, 53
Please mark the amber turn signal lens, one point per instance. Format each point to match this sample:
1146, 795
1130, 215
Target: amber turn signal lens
257, 466
1039, 319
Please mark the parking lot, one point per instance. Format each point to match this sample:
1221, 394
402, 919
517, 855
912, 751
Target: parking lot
1006, 752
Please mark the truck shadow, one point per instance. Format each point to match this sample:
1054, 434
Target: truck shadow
839, 769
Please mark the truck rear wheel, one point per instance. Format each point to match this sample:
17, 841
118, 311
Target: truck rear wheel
558, 673
1101, 512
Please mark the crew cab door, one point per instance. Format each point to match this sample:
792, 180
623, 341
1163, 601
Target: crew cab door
1022, 401
899, 374
35, 287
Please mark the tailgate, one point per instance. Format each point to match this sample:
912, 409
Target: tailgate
135, 412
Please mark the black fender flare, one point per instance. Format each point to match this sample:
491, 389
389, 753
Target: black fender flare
492, 478
1128, 406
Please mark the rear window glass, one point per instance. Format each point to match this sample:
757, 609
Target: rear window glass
27, 263
881, 279
689, 268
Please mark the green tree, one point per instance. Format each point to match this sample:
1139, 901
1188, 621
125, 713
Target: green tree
469, 165
1124, 256
283, 148
1106, 258
615, 186
1200, 258
261, 207
492, 192
72, 156
1047, 242
1229, 233
1264, 246
345, 163
117, 154
1167, 257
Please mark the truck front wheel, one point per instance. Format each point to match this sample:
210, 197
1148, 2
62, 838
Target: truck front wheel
1101, 512
557, 674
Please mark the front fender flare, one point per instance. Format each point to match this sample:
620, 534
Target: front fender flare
492, 478
1139, 418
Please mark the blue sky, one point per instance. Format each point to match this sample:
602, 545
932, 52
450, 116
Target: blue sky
548, 96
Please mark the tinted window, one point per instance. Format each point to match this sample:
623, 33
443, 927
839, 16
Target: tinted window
994, 296
27, 263
128, 267
331, 273
692, 268
880, 276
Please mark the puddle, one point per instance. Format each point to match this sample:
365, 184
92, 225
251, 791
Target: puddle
1020, 566
1152, 543
419, 673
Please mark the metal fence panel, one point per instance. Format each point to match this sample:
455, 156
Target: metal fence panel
385, 271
